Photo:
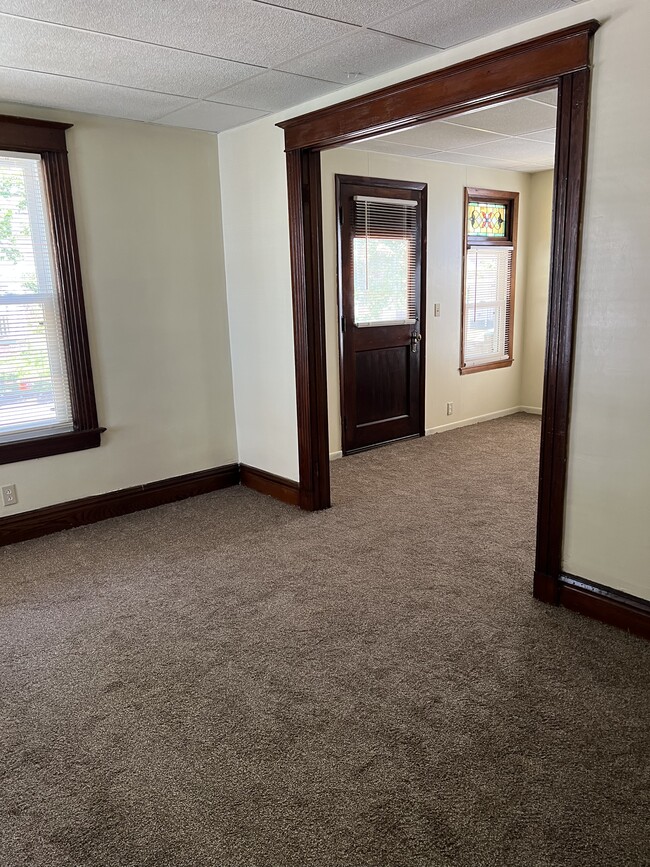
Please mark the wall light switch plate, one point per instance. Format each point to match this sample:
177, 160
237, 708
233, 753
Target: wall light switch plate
9, 495
436, 310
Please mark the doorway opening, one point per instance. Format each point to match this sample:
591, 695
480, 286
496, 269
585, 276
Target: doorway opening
561, 60
397, 365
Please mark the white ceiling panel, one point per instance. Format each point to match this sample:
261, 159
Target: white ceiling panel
469, 160
516, 117
73, 94
547, 96
273, 90
547, 135
444, 23
240, 30
380, 146
519, 149
363, 12
211, 116
43, 47
443, 136
364, 54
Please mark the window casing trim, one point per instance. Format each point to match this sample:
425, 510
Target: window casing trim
511, 199
47, 138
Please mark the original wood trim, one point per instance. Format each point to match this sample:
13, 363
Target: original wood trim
511, 199
48, 139
602, 603
305, 227
267, 483
420, 189
481, 368
89, 510
30, 135
58, 444
570, 168
559, 59
513, 71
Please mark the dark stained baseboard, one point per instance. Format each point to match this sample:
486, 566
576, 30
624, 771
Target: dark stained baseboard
88, 510
268, 483
605, 604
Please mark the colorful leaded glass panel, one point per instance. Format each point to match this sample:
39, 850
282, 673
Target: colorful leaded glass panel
486, 219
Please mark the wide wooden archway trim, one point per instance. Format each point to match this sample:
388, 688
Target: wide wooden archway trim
560, 59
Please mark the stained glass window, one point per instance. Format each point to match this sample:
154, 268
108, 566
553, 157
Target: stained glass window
487, 219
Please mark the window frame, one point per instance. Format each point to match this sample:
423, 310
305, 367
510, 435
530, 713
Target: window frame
47, 138
511, 200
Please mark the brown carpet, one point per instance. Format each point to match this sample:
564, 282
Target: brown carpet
228, 681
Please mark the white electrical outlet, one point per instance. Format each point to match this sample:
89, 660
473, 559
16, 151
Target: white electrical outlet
436, 310
9, 495
450, 408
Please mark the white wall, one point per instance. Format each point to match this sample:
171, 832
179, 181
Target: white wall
473, 395
258, 273
540, 212
609, 468
149, 223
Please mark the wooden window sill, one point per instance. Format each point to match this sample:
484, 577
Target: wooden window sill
479, 368
58, 444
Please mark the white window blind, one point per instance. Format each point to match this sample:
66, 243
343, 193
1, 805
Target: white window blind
384, 257
488, 281
34, 391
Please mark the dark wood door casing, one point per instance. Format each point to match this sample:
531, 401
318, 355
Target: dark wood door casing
560, 59
384, 351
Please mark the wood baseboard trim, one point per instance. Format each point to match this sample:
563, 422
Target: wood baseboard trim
89, 510
545, 588
602, 603
278, 487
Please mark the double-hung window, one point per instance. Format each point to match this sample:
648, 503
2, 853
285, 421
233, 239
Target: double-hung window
47, 403
488, 283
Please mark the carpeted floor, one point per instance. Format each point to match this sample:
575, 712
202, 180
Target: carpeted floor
228, 681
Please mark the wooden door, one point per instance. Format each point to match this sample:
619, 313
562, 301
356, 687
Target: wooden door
381, 242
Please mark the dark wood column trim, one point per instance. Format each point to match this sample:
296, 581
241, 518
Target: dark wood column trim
560, 59
567, 208
303, 177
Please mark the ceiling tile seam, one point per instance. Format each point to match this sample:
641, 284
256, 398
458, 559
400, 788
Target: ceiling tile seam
109, 84
368, 26
482, 129
262, 112
136, 41
405, 39
336, 85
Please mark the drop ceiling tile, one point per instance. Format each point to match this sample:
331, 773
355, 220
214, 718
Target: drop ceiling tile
441, 136
395, 148
273, 90
359, 56
468, 160
73, 94
547, 96
363, 12
240, 30
210, 116
547, 135
518, 149
444, 23
516, 117
51, 48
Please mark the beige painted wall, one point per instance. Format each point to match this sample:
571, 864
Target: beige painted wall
475, 395
148, 215
538, 261
608, 508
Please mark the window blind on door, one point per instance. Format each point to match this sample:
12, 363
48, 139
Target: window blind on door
488, 281
34, 390
384, 261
